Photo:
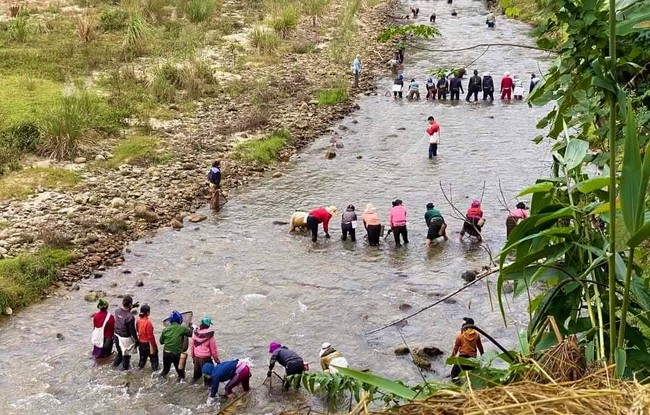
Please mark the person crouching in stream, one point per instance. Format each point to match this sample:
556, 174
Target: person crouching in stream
515, 216
330, 357
103, 331
473, 221
468, 343
172, 338
293, 364
349, 224
234, 371
147, 347
372, 224
317, 216
203, 348
435, 223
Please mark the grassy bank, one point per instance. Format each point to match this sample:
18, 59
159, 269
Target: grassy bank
25, 278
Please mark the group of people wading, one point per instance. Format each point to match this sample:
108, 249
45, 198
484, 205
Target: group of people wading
129, 336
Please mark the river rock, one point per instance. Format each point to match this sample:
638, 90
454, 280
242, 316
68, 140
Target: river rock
91, 297
118, 202
468, 275
100, 157
421, 359
432, 351
277, 174
359, 157
176, 224
197, 218
98, 274
146, 213
330, 154
81, 199
7, 311
139, 283
405, 307
80, 160
508, 287
402, 350
60, 336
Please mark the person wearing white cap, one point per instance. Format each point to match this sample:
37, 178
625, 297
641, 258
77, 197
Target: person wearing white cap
330, 357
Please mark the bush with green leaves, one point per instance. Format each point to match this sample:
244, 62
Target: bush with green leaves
19, 26
112, 19
332, 96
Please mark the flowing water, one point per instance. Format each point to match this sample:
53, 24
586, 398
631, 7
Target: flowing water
260, 283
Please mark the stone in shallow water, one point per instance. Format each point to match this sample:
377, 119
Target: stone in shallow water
402, 350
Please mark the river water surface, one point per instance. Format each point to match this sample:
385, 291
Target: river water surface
259, 283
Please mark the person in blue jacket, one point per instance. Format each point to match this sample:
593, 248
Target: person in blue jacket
233, 371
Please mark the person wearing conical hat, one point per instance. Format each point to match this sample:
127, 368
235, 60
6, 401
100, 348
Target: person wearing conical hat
317, 216
103, 331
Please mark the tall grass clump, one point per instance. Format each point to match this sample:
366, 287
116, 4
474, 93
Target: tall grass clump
85, 27
197, 78
137, 33
264, 41
199, 11
19, 26
315, 9
284, 20
68, 124
153, 10
331, 96
342, 50
263, 151
25, 278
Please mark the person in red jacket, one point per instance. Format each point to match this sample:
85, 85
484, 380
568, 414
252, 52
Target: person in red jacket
104, 327
506, 86
147, 346
320, 215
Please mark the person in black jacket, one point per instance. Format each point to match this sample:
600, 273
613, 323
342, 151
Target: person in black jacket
443, 86
214, 177
398, 86
293, 364
126, 336
488, 87
474, 86
456, 87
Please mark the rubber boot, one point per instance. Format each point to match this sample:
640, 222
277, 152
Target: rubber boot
126, 362
118, 360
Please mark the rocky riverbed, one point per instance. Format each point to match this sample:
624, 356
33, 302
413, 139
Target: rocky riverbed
111, 207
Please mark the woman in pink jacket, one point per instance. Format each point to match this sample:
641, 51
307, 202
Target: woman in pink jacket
203, 347
397, 220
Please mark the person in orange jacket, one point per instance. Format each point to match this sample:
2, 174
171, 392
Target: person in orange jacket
147, 347
468, 343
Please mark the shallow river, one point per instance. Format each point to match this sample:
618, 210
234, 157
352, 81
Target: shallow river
259, 283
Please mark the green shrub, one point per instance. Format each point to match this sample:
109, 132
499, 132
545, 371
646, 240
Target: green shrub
162, 88
9, 158
199, 11
25, 278
24, 136
112, 19
264, 41
263, 151
137, 33
66, 128
285, 20
332, 96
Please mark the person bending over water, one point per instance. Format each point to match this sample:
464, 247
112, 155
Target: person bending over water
435, 223
317, 216
234, 371
473, 221
349, 224
293, 364
515, 216
372, 224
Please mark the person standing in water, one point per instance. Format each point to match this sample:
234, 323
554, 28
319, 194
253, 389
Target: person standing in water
349, 224
372, 224
356, 70
203, 347
443, 87
434, 137
147, 347
125, 333
214, 177
103, 331
506, 86
468, 345
490, 20
518, 90
534, 80
515, 216
456, 87
488, 86
317, 216
397, 220
398, 86
293, 364
474, 86
172, 338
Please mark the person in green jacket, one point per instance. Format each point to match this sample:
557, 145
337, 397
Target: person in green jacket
172, 338
436, 224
